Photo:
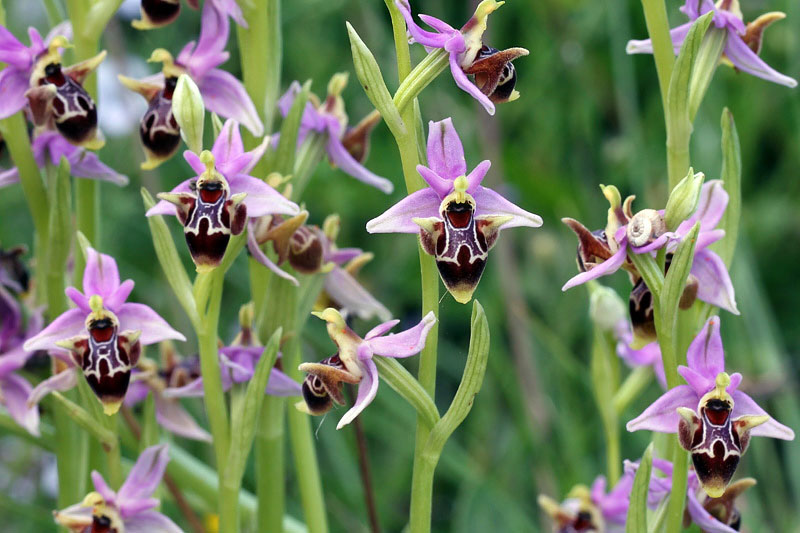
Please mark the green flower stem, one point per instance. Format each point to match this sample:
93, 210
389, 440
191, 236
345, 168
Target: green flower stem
301, 436
398, 378
269, 442
605, 377
213, 396
261, 55
47, 434
423, 74
632, 387
309, 155
655, 15
424, 463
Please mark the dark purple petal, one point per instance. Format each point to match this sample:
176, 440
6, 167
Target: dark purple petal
661, 415
475, 177
139, 317
700, 383
442, 186
399, 218
367, 390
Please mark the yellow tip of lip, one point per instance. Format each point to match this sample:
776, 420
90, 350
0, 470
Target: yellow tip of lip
111, 408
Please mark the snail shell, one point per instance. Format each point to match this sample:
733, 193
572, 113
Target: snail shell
645, 226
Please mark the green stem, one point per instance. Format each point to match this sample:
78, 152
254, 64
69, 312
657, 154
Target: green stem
424, 466
655, 15
632, 387
423, 74
269, 441
677, 498
309, 156
213, 396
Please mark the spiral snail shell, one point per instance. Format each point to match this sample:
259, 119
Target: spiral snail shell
645, 226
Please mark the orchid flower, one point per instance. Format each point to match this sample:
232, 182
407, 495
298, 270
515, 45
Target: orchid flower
131, 508
173, 373
591, 509
742, 42
49, 147
14, 389
353, 363
222, 92
712, 515
238, 363
310, 250
104, 334
603, 252
495, 76
458, 220
713, 420
57, 100
346, 147
159, 13
217, 202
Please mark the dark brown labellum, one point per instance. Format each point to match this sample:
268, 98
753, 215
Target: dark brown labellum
320, 392
106, 358
207, 221
306, 250
494, 73
161, 12
102, 524
640, 308
15, 270
460, 248
158, 129
73, 109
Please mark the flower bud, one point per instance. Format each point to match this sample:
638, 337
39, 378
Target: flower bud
189, 111
606, 308
683, 199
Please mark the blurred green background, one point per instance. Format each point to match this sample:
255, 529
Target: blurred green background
588, 114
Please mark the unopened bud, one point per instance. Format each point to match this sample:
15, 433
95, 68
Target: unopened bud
683, 199
189, 111
606, 308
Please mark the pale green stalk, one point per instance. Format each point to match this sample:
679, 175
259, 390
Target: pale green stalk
655, 15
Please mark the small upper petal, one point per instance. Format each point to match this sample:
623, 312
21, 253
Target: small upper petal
405, 343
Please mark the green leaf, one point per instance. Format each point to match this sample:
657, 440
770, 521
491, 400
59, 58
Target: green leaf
170, 261
732, 181
283, 158
401, 380
369, 74
245, 412
471, 382
675, 280
636, 521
